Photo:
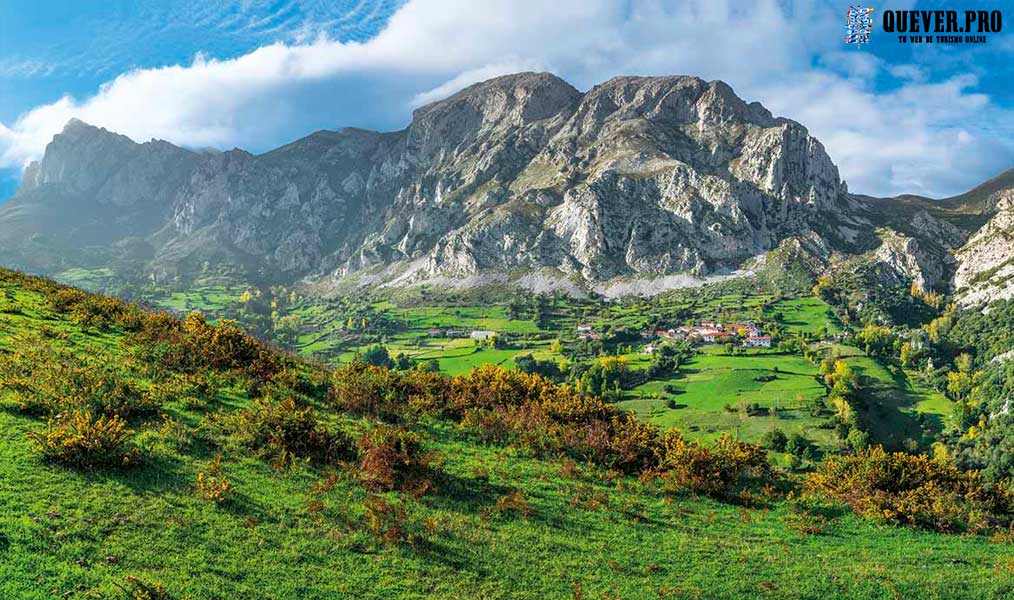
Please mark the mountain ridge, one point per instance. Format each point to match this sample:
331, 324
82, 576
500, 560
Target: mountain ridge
520, 179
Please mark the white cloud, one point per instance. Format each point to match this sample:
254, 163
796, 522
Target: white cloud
913, 138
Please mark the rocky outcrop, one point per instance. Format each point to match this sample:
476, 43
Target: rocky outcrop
985, 265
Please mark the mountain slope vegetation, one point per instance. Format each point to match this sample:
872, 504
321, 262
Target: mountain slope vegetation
239, 471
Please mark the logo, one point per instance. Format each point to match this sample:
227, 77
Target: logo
858, 25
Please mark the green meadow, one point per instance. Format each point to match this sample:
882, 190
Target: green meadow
713, 388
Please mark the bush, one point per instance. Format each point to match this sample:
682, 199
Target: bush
392, 459
285, 431
46, 381
194, 345
913, 490
191, 390
727, 470
367, 390
798, 445
213, 486
79, 440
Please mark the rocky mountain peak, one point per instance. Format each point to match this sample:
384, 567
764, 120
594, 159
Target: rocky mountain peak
498, 107
518, 176
80, 157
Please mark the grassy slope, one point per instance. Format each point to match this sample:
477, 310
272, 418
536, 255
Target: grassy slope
896, 399
72, 535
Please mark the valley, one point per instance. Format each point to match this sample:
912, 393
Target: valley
501, 521
717, 388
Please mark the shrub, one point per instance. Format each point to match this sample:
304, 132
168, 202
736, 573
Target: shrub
392, 459
797, 445
367, 390
913, 490
726, 470
191, 390
79, 440
47, 381
213, 486
193, 345
284, 430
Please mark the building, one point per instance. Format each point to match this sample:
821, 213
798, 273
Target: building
584, 328
650, 348
435, 332
706, 335
757, 341
481, 334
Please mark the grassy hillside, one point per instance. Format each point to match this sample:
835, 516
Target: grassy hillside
494, 519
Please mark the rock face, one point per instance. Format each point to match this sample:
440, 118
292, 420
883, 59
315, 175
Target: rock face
520, 178
985, 266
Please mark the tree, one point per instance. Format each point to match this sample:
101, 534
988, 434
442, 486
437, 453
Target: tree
877, 339
857, 439
964, 362
775, 440
797, 445
287, 328
377, 356
906, 355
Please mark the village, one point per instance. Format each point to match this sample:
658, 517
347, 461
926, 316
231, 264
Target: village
746, 334
708, 332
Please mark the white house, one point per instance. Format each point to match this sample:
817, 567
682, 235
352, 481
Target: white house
757, 341
481, 334
708, 336
649, 348
584, 328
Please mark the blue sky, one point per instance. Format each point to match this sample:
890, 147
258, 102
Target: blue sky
256, 74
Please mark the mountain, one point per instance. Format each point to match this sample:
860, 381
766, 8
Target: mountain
519, 179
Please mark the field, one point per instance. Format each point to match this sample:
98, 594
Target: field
711, 390
713, 383
903, 408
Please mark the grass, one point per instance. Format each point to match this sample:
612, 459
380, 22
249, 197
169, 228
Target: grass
283, 535
74, 536
807, 314
210, 298
902, 408
712, 381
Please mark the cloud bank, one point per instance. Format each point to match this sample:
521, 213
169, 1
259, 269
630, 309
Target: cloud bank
923, 135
